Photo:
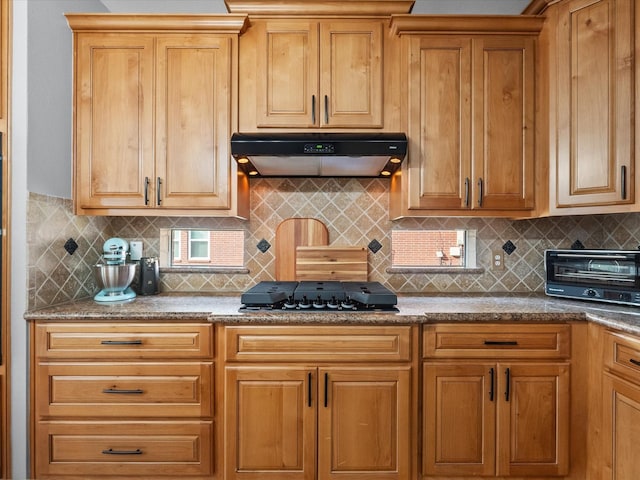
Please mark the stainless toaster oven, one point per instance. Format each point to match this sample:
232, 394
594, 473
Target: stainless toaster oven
600, 275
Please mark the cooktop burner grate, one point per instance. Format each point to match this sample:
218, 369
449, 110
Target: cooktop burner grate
319, 296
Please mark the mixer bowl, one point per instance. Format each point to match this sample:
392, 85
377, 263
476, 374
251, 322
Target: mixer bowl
114, 279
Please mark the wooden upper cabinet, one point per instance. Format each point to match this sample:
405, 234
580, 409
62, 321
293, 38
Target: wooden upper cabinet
113, 120
470, 112
503, 123
312, 74
439, 122
193, 117
592, 82
153, 115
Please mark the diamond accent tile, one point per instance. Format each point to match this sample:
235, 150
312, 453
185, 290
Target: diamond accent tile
374, 245
70, 246
263, 245
577, 245
509, 247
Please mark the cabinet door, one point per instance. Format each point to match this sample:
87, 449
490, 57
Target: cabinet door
459, 419
439, 122
595, 103
270, 423
503, 122
287, 74
363, 423
193, 118
351, 73
621, 429
533, 419
113, 120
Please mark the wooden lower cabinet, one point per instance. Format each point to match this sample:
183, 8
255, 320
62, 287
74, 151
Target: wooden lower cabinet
504, 419
357, 419
621, 407
122, 400
621, 429
320, 402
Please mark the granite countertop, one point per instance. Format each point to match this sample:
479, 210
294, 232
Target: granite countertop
411, 309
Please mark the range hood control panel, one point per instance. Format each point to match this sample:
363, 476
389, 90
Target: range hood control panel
319, 148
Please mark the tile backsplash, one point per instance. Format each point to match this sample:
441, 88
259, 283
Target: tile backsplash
355, 212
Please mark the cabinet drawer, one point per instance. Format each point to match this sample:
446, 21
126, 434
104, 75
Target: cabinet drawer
122, 449
121, 390
131, 340
622, 355
496, 341
315, 343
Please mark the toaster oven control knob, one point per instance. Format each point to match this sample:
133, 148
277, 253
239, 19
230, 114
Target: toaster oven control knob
591, 292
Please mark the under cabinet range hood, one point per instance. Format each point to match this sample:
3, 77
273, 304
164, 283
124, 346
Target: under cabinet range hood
319, 154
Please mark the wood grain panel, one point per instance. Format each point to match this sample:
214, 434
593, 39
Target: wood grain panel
101, 341
270, 422
497, 341
290, 234
167, 448
594, 111
317, 343
193, 122
121, 390
287, 55
440, 129
332, 263
459, 420
114, 120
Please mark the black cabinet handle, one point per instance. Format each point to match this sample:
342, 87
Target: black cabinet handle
135, 391
326, 109
111, 451
326, 389
623, 181
480, 191
500, 342
313, 109
467, 183
121, 342
158, 196
492, 374
146, 190
634, 362
309, 388
507, 391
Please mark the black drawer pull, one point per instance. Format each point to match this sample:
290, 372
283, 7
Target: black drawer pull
111, 451
309, 391
634, 362
491, 391
501, 343
507, 392
135, 391
121, 342
326, 389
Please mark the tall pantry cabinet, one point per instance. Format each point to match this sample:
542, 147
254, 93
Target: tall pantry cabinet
593, 87
154, 108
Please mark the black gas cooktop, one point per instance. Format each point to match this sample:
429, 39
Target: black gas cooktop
317, 296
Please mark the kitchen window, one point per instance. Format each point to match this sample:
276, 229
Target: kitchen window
202, 248
199, 245
432, 249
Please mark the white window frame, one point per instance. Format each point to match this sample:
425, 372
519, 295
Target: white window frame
204, 240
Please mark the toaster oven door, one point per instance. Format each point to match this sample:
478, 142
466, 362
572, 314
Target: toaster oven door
593, 268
